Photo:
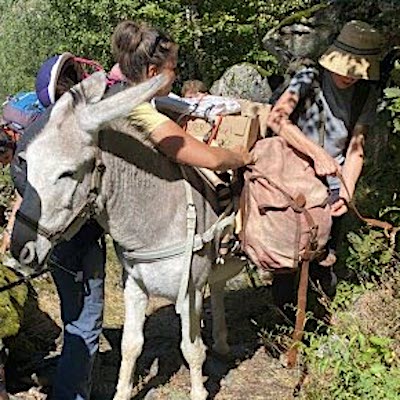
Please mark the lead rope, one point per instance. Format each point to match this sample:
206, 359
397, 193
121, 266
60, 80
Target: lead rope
191, 217
369, 221
78, 276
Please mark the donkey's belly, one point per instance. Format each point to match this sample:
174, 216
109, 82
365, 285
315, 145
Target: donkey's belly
160, 278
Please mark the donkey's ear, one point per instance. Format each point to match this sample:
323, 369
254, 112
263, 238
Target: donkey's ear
94, 87
121, 104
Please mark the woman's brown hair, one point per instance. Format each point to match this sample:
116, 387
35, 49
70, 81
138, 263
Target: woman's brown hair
136, 46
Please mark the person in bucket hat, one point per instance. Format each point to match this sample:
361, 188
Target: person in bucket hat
355, 53
330, 127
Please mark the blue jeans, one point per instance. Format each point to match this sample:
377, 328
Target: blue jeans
81, 311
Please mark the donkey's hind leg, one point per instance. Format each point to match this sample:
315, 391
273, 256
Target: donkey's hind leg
219, 330
192, 345
132, 338
217, 281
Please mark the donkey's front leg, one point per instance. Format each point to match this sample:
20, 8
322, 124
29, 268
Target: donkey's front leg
192, 345
132, 338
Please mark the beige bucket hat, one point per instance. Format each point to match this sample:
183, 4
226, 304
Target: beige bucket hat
355, 52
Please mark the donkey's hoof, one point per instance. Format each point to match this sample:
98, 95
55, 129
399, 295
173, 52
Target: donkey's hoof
221, 350
199, 394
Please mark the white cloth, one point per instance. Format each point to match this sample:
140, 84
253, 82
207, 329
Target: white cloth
207, 107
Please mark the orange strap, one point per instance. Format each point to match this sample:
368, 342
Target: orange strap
214, 131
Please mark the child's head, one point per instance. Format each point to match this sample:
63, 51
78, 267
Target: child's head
193, 88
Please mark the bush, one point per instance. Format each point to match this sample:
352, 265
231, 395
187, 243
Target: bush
358, 358
212, 35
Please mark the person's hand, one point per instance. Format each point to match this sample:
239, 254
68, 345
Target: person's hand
245, 156
324, 164
6, 242
339, 207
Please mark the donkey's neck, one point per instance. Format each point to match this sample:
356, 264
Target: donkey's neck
145, 200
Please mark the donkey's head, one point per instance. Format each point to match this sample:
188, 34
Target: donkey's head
61, 162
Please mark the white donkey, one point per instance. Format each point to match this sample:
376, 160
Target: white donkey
89, 161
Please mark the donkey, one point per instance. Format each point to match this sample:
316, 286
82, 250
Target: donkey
90, 162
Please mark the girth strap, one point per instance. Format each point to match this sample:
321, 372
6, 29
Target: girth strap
200, 239
191, 219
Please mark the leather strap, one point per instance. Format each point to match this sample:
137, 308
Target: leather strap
191, 218
301, 312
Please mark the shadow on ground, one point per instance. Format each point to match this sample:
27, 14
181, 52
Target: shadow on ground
161, 358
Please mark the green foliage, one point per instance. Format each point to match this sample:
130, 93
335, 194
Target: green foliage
371, 253
29, 34
212, 35
393, 97
353, 366
351, 361
6, 187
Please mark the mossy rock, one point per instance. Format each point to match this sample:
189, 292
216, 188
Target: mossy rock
12, 303
302, 15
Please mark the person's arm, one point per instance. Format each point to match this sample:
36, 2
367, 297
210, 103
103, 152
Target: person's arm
281, 125
177, 144
5, 245
351, 169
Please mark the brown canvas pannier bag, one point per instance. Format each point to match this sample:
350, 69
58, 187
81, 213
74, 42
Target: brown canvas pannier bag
284, 208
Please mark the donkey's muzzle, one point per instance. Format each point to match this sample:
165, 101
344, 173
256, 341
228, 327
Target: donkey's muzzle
28, 256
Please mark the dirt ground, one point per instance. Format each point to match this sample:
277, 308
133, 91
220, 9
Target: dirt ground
251, 372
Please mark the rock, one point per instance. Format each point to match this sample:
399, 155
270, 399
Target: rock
303, 34
309, 32
244, 81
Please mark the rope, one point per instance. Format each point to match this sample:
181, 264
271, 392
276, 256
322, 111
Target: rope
350, 204
77, 275
23, 280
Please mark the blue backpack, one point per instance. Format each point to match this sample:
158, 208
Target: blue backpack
20, 110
